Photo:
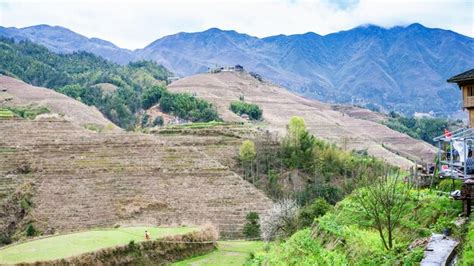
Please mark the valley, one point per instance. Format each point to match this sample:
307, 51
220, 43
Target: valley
221, 148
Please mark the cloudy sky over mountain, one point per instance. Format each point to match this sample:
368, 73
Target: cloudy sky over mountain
134, 24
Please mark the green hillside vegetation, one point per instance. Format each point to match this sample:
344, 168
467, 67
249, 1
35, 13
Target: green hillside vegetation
228, 253
250, 109
421, 128
467, 255
62, 246
28, 112
327, 171
77, 74
183, 105
346, 236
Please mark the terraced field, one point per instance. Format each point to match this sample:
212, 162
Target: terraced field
64, 246
350, 128
81, 179
84, 179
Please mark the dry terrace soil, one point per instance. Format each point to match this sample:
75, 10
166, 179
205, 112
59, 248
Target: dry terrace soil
83, 179
351, 128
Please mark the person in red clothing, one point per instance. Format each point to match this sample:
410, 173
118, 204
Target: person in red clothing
147, 235
447, 133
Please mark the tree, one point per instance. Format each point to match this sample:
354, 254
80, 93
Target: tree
280, 220
296, 127
152, 96
383, 201
247, 153
252, 227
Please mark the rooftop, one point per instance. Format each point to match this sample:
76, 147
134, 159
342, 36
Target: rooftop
465, 76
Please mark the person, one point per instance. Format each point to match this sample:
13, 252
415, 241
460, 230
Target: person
147, 235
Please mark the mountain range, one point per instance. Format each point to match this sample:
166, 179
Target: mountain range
403, 68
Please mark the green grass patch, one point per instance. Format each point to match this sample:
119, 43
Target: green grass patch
227, 253
62, 246
6, 114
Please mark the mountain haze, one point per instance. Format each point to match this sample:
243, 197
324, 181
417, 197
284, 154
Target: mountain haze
62, 40
401, 68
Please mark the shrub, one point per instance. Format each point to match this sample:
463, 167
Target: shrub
31, 230
5, 239
252, 227
158, 121
241, 107
316, 209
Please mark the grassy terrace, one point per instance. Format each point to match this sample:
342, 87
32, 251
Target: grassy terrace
227, 253
63, 246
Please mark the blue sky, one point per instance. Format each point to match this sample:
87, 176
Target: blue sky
134, 24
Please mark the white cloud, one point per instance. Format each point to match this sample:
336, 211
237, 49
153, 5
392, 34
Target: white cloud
134, 24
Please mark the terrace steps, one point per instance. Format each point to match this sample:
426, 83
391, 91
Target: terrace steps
86, 179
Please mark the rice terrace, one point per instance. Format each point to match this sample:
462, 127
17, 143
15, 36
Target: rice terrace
237, 133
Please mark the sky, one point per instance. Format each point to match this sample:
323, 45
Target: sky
135, 24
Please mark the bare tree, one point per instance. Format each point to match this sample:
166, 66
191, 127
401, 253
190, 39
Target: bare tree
279, 220
383, 200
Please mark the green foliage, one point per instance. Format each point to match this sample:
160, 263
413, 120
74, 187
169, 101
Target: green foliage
300, 249
247, 151
152, 96
77, 74
449, 185
311, 211
467, 255
250, 109
420, 128
348, 232
29, 111
314, 161
188, 107
31, 230
252, 226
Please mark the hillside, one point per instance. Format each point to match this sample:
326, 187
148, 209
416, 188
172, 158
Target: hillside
14, 92
279, 105
401, 68
72, 178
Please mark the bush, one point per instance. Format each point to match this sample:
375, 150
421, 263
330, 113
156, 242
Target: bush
31, 230
316, 209
158, 121
252, 227
5, 239
241, 107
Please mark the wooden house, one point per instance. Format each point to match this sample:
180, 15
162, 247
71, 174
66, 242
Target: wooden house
465, 82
